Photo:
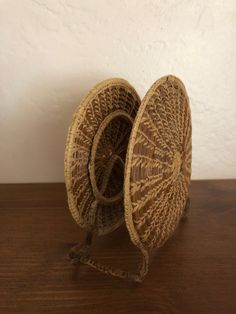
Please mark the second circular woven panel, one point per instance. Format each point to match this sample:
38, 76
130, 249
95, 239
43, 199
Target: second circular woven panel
158, 164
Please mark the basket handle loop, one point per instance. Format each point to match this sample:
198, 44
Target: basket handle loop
81, 253
98, 194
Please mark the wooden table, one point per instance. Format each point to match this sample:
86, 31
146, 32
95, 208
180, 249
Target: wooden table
195, 272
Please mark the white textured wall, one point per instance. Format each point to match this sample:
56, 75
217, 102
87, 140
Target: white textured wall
52, 52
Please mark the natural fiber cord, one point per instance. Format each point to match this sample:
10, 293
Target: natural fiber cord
129, 160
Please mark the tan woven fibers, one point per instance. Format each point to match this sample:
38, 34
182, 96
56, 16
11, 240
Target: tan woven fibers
132, 161
85, 177
158, 164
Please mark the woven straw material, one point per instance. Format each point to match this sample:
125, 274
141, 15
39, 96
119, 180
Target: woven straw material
95, 155
129, 160
158, 164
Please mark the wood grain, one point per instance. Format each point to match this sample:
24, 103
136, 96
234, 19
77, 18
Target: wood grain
195, 272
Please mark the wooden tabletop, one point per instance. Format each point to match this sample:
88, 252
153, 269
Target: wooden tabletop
195, 272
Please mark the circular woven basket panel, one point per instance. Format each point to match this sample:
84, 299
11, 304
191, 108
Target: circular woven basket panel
158, 164
95, 155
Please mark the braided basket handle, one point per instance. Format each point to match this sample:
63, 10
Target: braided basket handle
81, 253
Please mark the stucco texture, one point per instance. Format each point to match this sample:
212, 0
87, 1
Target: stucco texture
53, 52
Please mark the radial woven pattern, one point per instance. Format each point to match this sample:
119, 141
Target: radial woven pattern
95, 155
158, 164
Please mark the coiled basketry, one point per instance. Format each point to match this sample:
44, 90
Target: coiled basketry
128, 160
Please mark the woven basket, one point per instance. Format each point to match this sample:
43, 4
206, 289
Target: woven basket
128, 160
